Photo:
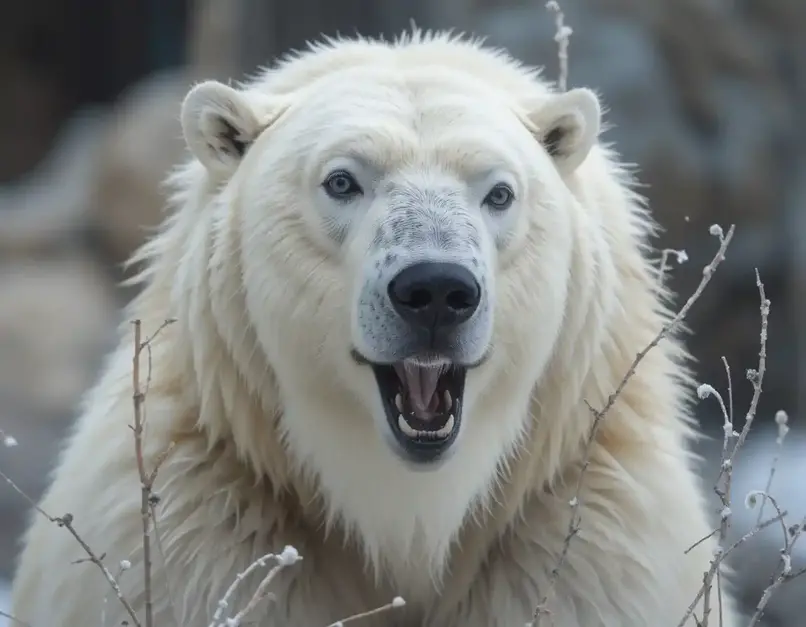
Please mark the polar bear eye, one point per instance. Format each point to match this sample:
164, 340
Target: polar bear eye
500, 197
341, 185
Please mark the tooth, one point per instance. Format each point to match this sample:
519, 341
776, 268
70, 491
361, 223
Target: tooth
448, 400
446, 430
399, 402
442, 433
406, 428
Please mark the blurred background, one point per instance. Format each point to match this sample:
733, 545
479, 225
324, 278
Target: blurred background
706, 97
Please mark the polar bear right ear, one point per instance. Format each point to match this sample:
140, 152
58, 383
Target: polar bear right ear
219, 124
568, 125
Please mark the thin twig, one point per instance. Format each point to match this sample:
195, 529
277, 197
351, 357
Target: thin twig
147, 478
704, 391
145, 487
663, 267
561, 35
66, 521
797, 573
782, 420
783, 576
719, 558
395, 603
756, 377
122, 567
708, 272
147, 345
760, 527
722, 486
730, 388
575, 520
288, 557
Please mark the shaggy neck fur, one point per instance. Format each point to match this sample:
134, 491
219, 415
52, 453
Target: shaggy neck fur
226, 374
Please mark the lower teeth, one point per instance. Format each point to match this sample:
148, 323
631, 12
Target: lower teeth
442, 433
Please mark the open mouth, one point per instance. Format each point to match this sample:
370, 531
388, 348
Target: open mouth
423, 405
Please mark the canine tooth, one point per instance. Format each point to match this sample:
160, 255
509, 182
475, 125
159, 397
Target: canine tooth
399, 402
406, 428
448, 400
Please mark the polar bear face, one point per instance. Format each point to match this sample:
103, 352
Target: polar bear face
405, 241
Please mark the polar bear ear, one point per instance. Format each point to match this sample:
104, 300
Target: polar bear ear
219, 124
568, 125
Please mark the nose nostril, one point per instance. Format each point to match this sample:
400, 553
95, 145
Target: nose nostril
418, 299
459, 300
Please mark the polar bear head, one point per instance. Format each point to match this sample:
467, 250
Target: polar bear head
402, 217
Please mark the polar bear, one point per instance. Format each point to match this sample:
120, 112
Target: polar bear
401, 274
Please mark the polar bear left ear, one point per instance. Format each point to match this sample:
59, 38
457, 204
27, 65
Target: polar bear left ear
567, 125
219, 124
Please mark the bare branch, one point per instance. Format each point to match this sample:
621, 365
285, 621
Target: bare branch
783, 576
393, 604
288, 557
680, 255
66, 521
782, 420
561, 36
722, 485
598, 416
147, 478
760, 527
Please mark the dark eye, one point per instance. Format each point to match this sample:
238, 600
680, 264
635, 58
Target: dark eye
500, 197
341, 185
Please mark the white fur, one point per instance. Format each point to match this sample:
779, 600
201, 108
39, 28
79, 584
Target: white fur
278, 432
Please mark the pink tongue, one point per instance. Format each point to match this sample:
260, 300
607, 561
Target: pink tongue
421, 383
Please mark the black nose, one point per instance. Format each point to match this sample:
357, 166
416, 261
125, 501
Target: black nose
432, 295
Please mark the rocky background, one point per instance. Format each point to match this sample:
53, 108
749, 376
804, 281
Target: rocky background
706, 97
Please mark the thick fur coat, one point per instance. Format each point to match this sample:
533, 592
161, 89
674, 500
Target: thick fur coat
307, 189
